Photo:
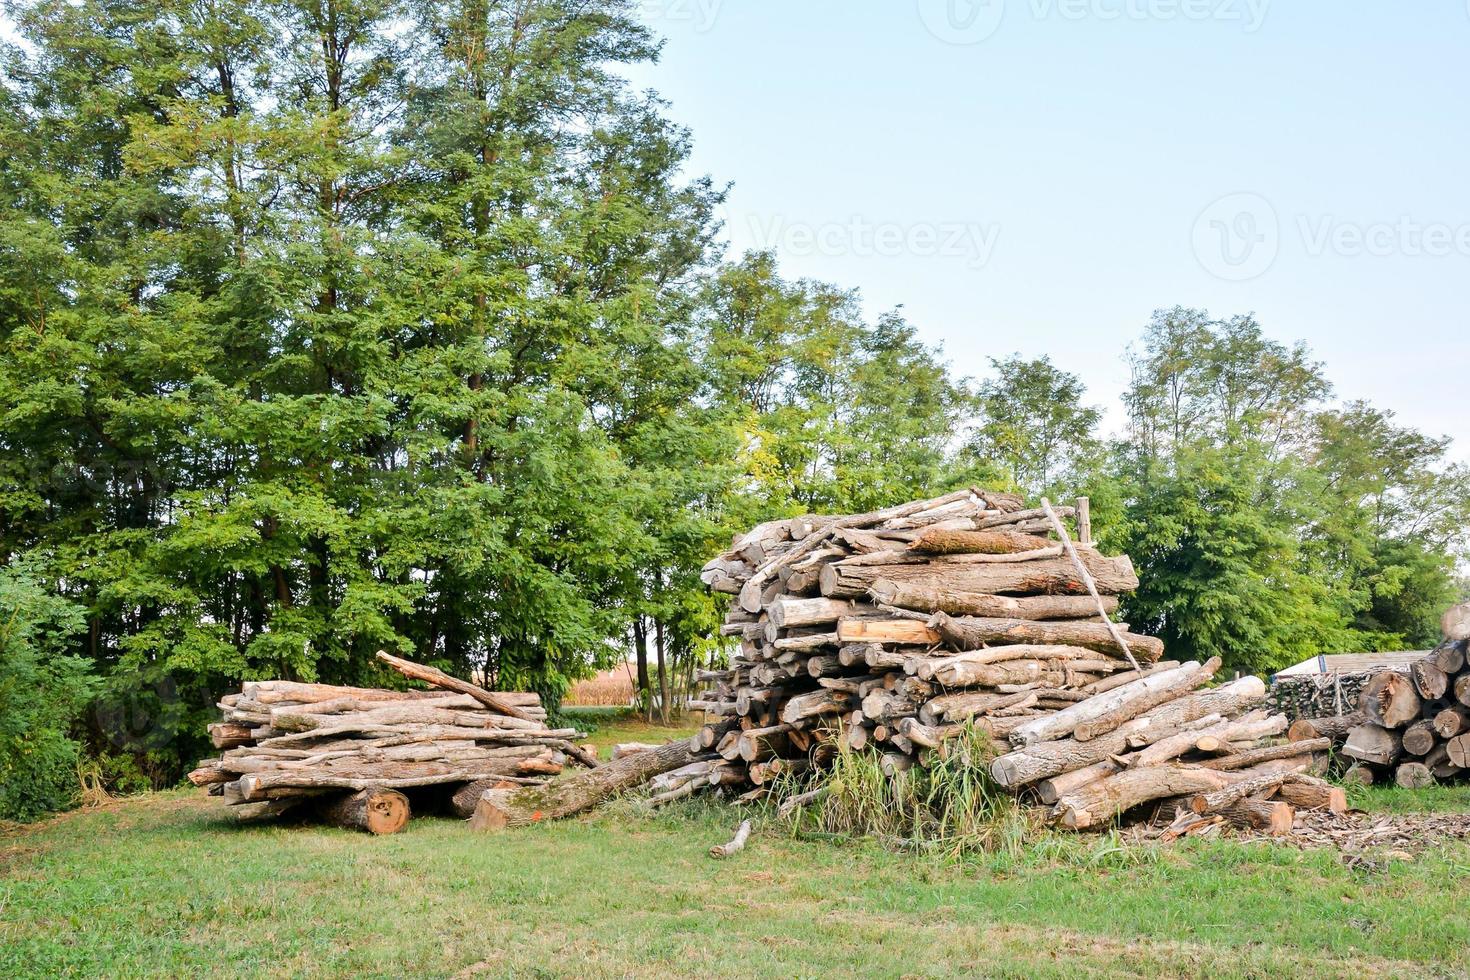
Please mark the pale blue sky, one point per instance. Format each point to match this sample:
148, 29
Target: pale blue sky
1039, 175
1077, 148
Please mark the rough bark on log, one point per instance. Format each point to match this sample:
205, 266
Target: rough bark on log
975, 633
1115, 795
1054, 673
1215, 800
935, 542
1310, 793
1273, 817
1047, 577
1269, 753
1106, 712
438, 678
377, 811
907, 595
1335, 727
563, 797
1046, 759
787, 612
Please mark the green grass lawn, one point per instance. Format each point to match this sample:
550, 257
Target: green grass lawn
167, 884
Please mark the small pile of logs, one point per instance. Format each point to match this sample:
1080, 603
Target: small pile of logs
1410, 728
350, 756
901, 629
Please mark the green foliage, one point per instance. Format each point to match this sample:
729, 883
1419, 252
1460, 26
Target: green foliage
43, 693
399, 324
1033, 424
951, 806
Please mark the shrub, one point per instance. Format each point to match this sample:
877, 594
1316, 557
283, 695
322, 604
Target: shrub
43, 692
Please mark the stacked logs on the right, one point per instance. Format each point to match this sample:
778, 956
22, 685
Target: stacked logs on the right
1411, 727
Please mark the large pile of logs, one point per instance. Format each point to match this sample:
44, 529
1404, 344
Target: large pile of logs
903, 628
1411, 728
353, 756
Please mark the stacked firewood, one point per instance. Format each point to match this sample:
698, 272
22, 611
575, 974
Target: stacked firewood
901, 629
1411, 728
349, 755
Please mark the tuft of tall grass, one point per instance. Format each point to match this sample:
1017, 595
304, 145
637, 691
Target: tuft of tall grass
951, 806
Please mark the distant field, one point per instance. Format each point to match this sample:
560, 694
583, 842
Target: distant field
167, 885
611, 687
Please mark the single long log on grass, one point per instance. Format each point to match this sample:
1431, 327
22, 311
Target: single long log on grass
1107, 798
563, 797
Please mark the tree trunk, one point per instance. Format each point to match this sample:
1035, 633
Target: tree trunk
1105, 712
663, 672
788, 612
377, 811
1429, 680
1419, 738
906, 631
501, 808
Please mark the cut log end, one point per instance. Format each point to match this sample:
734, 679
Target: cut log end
376, 811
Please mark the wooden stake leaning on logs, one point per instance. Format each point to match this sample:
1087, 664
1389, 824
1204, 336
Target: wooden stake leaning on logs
1061, 533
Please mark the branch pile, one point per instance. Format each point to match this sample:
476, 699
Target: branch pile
349, 754
1410, 727
896, 629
